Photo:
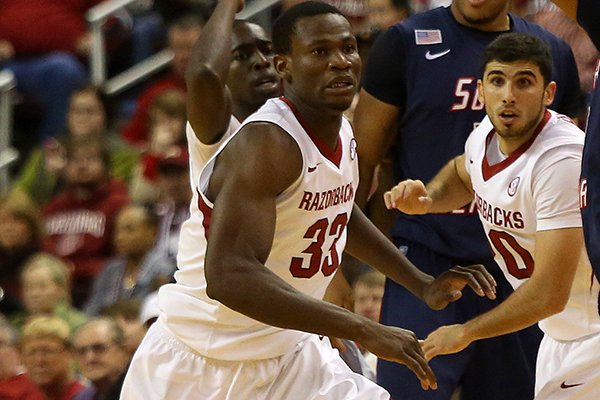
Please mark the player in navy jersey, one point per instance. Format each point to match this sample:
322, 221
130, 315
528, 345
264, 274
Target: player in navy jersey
421, 78
588, 15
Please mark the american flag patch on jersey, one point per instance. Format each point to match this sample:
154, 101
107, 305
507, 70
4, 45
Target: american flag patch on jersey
428, 36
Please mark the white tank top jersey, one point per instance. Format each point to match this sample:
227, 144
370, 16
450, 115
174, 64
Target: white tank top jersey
310, 236
200, 153
534, 189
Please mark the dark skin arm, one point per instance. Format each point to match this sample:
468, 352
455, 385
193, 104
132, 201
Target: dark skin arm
209, 101
373, 127
241, 236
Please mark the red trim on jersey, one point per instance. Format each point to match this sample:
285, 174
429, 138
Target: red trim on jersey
335, 156
206, 212
488, 171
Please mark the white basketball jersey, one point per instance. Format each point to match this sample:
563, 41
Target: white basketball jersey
534, 189
200, 153
310, 236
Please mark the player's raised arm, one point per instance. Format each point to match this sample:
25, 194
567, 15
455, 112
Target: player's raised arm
209, 102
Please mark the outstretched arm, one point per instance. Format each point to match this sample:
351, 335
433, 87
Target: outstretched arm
546, 293
209, 102
450, 189
241, 235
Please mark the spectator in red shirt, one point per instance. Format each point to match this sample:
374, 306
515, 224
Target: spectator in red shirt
80, 219
40, 42
182, 35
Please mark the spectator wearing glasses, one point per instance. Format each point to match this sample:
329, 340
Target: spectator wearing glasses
100, 352
47, 355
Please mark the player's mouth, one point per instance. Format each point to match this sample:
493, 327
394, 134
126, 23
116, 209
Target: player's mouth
476, 3
341, 85
508, 117
267, 83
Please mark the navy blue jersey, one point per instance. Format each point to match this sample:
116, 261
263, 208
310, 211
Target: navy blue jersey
589, 17
428, 65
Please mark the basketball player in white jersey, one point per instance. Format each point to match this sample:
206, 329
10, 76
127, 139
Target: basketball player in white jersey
269, 224
522, 166
227, 79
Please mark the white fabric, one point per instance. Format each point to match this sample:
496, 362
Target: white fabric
536, 191
568, 370
324, 192
312, 369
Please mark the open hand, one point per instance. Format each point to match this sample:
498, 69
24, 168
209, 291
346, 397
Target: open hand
408, 196
445, 340
447, 287
401, 346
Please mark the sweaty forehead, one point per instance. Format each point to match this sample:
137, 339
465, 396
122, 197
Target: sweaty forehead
322, 27
246, 33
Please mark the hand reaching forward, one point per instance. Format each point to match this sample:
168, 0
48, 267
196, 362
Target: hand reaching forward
408, 196
401, 346
447, 287
445, 340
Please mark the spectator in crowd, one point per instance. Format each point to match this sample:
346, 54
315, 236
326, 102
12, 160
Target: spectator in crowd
173, 205
167, 117
47, 355
139, 269
40, 42
385, 13
91, 113
126, 313
102, 358
46, 291
182, 35
80, 219
21, 232
14, 382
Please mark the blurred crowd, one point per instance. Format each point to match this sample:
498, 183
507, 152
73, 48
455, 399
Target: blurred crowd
89, 228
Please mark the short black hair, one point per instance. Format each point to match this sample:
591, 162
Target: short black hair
511, 47
285, 25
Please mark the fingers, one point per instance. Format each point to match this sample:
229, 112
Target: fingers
409, 196
417, 363
478, 279
430, 350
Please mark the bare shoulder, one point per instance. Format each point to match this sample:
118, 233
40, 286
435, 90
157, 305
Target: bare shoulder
262, 155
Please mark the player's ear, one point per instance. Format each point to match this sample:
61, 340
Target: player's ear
549, 93
480, 91
282, 66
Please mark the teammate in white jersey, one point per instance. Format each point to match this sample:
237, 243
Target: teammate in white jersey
522, 164
245, 319
227, 78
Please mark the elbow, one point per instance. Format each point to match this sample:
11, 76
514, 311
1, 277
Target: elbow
198, 74
554, 304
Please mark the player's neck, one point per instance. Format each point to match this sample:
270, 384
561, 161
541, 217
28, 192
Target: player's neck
499, 23
326, 125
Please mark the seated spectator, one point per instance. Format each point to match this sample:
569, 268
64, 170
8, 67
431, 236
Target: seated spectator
21, 232
90, 113
80, 219
46, 291
182, 34
385, 13
367, 291
47, 355
40, 42
166, 121
102, 358
14, 382
126, 313
173, 205
139, 269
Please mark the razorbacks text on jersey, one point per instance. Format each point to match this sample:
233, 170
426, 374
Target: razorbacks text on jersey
534, 190
437, 115
310, 232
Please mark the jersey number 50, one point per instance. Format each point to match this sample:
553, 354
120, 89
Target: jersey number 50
500, 240
317, 231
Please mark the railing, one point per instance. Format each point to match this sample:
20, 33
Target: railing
96, 17
8, 155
